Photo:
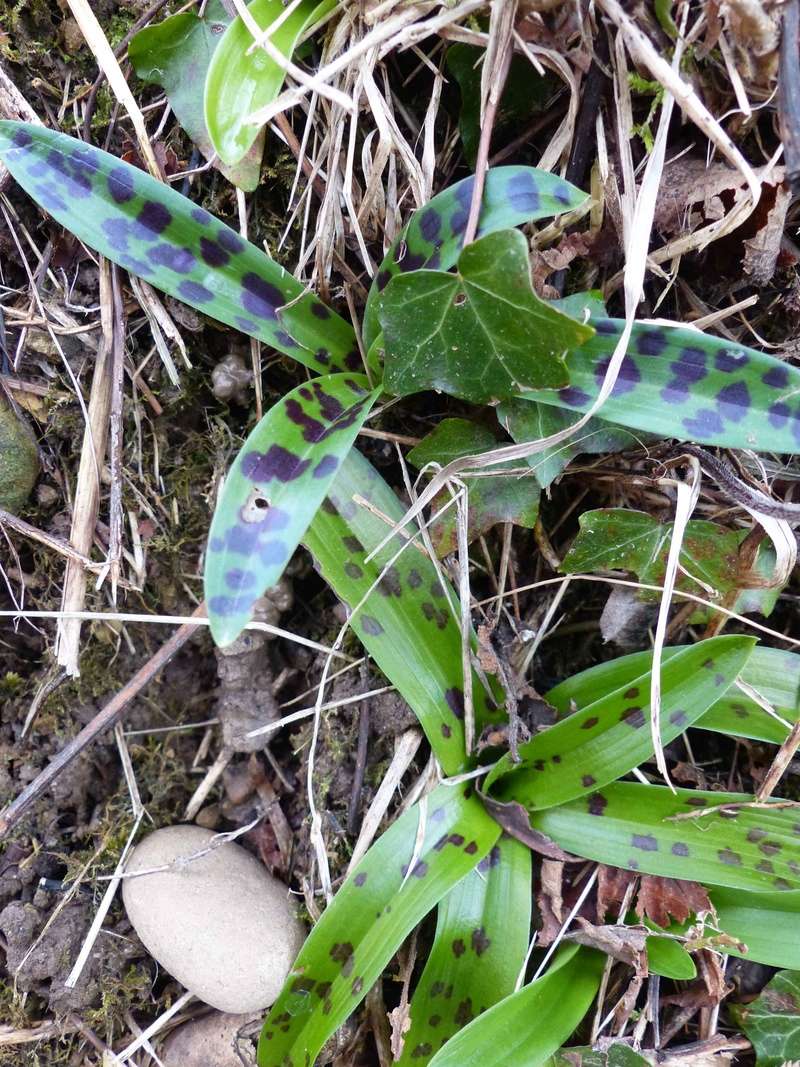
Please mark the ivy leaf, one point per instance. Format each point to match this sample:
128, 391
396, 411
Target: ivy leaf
242, 79
482, 932
678, 382
405, 623
154, 232
610, 736
276, 484
373, 912
618, 1055
491, 500
434, 235
481, 334
176, 54
772, 1021
620, 539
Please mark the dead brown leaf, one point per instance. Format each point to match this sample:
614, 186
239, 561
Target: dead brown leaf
612, 884
550, 901
623, 943
660, 898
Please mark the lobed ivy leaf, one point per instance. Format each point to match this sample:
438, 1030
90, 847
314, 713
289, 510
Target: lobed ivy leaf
405, 623
176, 54
618, 1055
276, 484
482, 933
242, 78
678, 382
608, 737
373, 912
481, 334
775, 676
434, 235
772, 1021
154, 232
526, 1028
634, 826
622, 539
491, 500
767, 925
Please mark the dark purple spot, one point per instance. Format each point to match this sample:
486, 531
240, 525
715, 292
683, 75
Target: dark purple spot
313, 429
734, 401
430, 223
352, 570
326, 466
597, 804
729, 857
690, 366
781, 883
319, 310
200, 215
729, 360
574, 397
755, 835
424, 1048
389, 584
606, 327
680, 849
446, 731
651, 342
153, 218
459, 948
434, 1021
633, 717
212, 254
471, 848
277, 462
352, 544
21, 138
246, 325
239, 580
340, 952
769, 848
645, 842
590, 723
588, 780
178, 259
322, 356
352, 360
678, 718
464, 1013
371, 626
777, 377
382, 279
454, 698
303, 985
117, 231
705, 424
120, 185
458, 223
260, 297
480, 942
230, 605
696, 802
231, 241
194, 293
49, 199
523, 193
632, 693
778, 414
414, 579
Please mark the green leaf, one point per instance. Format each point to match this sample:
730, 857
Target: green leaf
617, 1056
678, 382
153, 231
610, 736
482, 933
241, 81
768, 924
482, 334
774, 674
175, 54
275, 486
405, 623
772, 1021
621, 539
634, 826
525, 420
668, 957
435, 234
371, 915
491, 500
527, 1027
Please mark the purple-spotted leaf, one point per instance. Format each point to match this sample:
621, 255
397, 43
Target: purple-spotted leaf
396, 884
175, 54
275, 486
154, 232
482, 933
491, 500
648, 828
481, 334
773, 674
609, 737
434, 236
526, 1028
405, 622
242, 79
621, 539
678, 382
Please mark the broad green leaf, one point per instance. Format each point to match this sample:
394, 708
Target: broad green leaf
667, 957
635, 826
526, 420
175, 54
241, 80
617, 1056
482, 932
405, 623
491, 500
153, 231
772, 1021
621, 539
526, 1028
481, 334
434, 235
371, 915
275, 486
609, 737
678, 382
768, 924
774, 674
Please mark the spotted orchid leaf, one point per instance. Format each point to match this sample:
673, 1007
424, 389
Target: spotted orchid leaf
648, 828
161, 236
490, 500
622, 539
678, 382
482, 933
481, 334
772, 1021
773, 674
275, 486
434, 236
396, 884
526, 1028
765, 927
610, 736
405, 622
243, 79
